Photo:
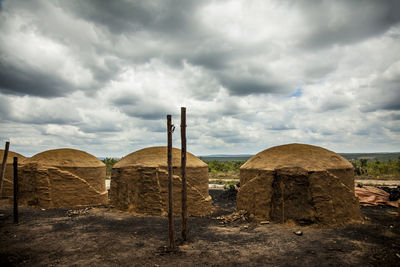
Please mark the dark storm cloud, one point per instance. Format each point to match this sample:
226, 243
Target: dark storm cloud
125, 100
174, 24
29, 113
239, 85
392, 105
385, 95
213, 60
346, 22
100, 127
28, 80
146, 110
105, 73
124, 17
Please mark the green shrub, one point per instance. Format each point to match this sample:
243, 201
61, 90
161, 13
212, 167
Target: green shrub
109, 164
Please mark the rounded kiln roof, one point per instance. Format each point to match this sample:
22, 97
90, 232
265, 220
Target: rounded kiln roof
66, 157
10, 157
307, 157
157, 156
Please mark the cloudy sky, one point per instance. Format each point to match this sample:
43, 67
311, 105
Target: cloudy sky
101, 76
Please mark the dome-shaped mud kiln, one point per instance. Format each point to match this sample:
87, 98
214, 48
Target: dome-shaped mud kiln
300, 183
63, 178
8, 179
139, 183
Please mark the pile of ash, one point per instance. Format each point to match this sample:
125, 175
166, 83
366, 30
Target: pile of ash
394, 192
240, 216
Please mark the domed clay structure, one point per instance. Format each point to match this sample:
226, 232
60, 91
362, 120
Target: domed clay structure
301, 183
8, 179
63, 178
139, 183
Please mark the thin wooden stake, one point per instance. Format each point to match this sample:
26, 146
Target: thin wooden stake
171, 235
15, 165
183, 172
3, 166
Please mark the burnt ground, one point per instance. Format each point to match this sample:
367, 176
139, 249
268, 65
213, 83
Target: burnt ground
103, 236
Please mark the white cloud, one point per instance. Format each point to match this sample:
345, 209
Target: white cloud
252, 75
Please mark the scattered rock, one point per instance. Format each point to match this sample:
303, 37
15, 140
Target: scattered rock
298, 232
264, 222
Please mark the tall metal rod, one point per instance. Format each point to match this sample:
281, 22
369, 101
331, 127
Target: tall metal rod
171, 235
3, 166
183, 172
15, 165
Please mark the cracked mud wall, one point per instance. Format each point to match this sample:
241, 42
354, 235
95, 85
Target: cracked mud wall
276, 189
144, 190
58, 187
294, 194
62, 178
139, 183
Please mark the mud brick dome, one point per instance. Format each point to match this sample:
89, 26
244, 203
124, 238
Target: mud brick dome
139, 183
8, 179
299, 183
63, 178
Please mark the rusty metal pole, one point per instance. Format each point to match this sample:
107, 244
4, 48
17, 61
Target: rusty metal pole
3, 166
15, 165
171, 235
183, 172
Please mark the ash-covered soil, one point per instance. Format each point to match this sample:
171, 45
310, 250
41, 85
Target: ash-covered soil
103, 236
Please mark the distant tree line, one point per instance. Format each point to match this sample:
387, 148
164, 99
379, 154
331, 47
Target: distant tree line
224, 166
376, 167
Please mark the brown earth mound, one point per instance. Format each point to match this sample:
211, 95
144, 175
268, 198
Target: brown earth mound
63, 178
139, 183
308, 157
298, 183
8, 179
66, 157
157, 157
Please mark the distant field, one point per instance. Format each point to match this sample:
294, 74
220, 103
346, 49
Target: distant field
348, 156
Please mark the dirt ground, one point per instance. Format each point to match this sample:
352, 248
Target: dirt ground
103, 236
